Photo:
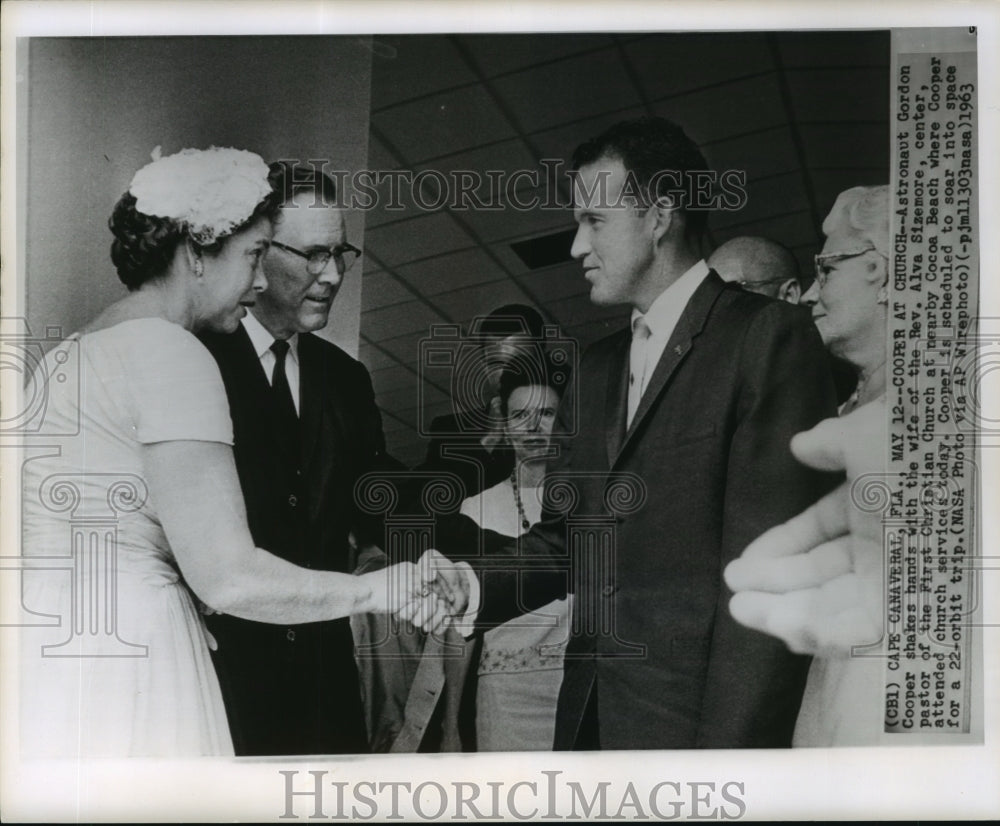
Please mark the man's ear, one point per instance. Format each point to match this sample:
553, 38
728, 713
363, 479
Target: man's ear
663, 214
790, 291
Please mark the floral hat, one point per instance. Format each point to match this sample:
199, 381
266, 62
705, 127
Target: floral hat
210, 191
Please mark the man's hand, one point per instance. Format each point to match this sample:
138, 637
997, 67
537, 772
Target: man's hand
816, 581
450, 581
405, 590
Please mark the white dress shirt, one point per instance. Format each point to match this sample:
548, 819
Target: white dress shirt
262, 341
661, 319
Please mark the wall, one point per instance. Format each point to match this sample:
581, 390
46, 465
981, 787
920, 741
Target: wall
98, 106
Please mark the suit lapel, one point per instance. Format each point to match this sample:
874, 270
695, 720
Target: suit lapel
246, 365
616, 401
689, 325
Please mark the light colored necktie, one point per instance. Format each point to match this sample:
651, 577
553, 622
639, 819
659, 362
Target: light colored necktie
637, 365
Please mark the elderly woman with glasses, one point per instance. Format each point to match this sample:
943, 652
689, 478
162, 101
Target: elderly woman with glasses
849, 298
816, 580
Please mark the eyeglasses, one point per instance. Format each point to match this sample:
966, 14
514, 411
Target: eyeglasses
749, 284
823, 261
343, 257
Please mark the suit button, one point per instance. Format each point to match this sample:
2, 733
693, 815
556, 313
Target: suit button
290, 635
293, 500
608, 590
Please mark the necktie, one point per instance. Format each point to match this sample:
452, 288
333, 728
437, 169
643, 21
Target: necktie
637, 366
279, 386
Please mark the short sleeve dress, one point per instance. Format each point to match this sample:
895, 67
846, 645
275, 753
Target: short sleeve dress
118, 662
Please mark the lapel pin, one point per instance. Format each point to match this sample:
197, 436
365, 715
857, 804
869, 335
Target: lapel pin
678, 349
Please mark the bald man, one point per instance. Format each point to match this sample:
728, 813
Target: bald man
759, 265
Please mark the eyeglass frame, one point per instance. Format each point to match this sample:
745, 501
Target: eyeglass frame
331, 255
820, 258
744, 283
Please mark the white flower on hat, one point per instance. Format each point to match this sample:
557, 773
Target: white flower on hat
210, 191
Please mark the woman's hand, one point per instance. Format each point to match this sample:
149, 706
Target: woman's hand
406, 590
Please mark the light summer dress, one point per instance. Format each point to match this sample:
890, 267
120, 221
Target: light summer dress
127, 670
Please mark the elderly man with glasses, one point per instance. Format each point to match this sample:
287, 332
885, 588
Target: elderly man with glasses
759, 265
305, 429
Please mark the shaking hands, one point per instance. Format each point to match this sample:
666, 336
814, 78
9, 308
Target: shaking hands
430, 594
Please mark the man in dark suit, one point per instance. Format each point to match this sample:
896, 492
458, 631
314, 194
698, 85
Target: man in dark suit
469, 442
305, 429
680, 458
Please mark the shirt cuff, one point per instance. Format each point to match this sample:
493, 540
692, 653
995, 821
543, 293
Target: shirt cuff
466, 623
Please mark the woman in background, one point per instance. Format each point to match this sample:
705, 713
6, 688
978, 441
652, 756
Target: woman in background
521, 665
849, 298
153, 448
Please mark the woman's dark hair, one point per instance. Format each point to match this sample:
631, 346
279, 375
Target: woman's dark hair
509, 320
144, 245
539, 368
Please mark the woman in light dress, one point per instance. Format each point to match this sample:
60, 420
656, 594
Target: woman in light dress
520, 668
142, 498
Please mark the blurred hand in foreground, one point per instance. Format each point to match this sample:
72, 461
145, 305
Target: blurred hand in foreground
815, 581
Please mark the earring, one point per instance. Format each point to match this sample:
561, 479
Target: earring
199, 268
883, 295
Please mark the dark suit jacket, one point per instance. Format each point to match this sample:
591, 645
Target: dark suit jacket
294, 689
645, 521
455, 448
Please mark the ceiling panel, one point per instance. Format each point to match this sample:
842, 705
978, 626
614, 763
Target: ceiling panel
826, 95
405, 67
464, 305
777, 195
373, 356
380, 289
450, 272
560, 142
512, 221
399, 319
668, 64
553, 283
791, 230
443, 123
829, 183
842, 144
507, 157
415, 238
415, 397
567, 90
497, 54
759, 155
393, 378
829, 48
405, 349
737, 107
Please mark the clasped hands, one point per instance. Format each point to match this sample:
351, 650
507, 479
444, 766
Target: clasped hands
430, 594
